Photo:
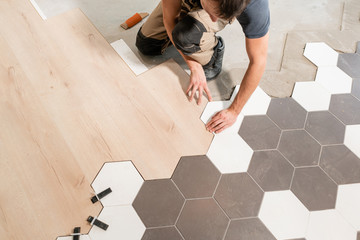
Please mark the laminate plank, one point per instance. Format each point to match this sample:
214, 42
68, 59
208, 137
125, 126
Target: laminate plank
68, 104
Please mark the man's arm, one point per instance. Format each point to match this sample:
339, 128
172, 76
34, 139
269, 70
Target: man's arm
171, 11
257, 52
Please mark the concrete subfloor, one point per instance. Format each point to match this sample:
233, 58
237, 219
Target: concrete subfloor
287, 17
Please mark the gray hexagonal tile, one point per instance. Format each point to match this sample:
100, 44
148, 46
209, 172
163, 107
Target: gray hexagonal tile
349, 63
239, 195
260, 132
299, 148
271, 170
163, 233
158, 203
325, 128
287, 113
196, 177
355, 90
342, 165
248, 229
345, 107
202, 219
314, 188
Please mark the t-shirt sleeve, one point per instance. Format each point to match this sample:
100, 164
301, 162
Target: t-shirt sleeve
255, 19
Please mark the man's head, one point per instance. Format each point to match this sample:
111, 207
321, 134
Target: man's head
224, 9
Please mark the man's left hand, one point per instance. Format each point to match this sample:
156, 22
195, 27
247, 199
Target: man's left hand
221, 120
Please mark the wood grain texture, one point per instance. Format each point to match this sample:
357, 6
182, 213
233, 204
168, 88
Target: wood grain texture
68, 104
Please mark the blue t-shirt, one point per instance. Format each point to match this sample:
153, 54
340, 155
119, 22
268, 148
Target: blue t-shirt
255, 19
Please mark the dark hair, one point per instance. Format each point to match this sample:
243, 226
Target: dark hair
228, 9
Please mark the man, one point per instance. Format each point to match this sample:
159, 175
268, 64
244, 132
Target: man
191, 25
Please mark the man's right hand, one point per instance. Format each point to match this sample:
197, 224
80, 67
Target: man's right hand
197, 83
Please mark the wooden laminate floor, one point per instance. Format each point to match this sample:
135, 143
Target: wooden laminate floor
68, 104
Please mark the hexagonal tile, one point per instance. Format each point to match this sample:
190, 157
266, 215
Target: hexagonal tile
352, 138
257, 104
345, 107
248, 229
202, 219
196, 177
314, 188
82, 237
163, 233
260, 132
213, 107
158, 203
230, 153
299, 148
318, 124
342, 165
123, 223
287, 113
271, 170
355, 90
123, 179
321, 54
349, 63
239, 195
348, 204
333, 79
311, 96
284, 215
329, 225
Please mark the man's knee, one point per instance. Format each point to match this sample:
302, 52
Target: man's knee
187, 35
150, 46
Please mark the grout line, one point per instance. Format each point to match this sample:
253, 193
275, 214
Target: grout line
179, 232
337, 185
226, 230
213, 196
182, 208
256, 184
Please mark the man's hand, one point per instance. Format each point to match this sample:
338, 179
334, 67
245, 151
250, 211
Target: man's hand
221, 120
198, 84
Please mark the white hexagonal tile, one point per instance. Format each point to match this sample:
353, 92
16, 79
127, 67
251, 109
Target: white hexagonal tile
257, 104
123, 221
284, 215
124, 181
348, 203
352, 138
230, 153
212, 108
311, 96
334, 79
329, 225
82, 237
321, 54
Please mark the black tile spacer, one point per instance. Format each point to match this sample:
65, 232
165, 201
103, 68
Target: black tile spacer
76, 234
98, 223
99, 196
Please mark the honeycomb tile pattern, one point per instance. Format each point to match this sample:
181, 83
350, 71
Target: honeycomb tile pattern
298, 177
